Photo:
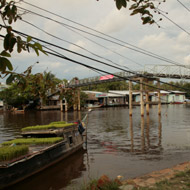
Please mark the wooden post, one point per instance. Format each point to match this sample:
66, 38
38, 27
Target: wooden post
159, 97
61, 105
78, 93
142, 101
66, 106
159, 130
147, 104
66, 116
74, 99
130, 99
142, 135
147, 101
131, 133
148, 130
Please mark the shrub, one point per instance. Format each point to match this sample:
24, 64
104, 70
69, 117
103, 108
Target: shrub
103, 183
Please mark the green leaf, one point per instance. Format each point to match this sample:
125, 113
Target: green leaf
121, 3
12, 44
5, 54
124, 3
10, 79
29, 38
14, 10
118, 4
10, 19
19, 45
5, 63
39, 46
36, 50
6, 41
146, 19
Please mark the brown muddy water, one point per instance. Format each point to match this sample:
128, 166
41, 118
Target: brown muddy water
117, 144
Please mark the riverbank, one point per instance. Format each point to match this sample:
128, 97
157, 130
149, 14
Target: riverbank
177, 176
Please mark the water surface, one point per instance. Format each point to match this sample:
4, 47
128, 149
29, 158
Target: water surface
117, 144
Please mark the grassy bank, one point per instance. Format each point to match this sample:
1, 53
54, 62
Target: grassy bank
33, 141
180, 181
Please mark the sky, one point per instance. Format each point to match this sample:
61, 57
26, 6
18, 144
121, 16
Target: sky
169, 41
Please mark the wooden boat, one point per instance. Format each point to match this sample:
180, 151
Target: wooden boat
41, 157
92, 106
16, 110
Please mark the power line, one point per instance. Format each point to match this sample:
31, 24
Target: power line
175, 23
139, 50
183, 5
56, 54
139, 75
74, 44
133, 72
89, 28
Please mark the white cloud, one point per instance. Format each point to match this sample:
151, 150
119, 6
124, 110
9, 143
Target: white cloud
168, 41
114, 22
187, 60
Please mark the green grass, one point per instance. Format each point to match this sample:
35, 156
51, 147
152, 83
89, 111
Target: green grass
33, 141
44, 127
58, 122
8, 153
180, 181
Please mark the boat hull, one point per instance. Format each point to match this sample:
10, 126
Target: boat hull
21, 169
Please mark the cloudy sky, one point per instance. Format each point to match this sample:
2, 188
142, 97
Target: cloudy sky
168, 41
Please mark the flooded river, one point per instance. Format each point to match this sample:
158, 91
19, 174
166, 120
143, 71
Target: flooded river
117, 144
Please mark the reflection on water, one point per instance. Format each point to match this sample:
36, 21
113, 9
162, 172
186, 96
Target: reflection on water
117, 144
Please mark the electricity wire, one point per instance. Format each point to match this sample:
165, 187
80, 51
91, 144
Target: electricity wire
139, 50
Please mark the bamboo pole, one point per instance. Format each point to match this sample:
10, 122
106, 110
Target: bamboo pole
130, 99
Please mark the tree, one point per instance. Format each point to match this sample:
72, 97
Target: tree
145, 8
37, 87
9, 14
16, 97
43, 84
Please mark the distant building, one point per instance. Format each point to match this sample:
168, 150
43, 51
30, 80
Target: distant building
118, 97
